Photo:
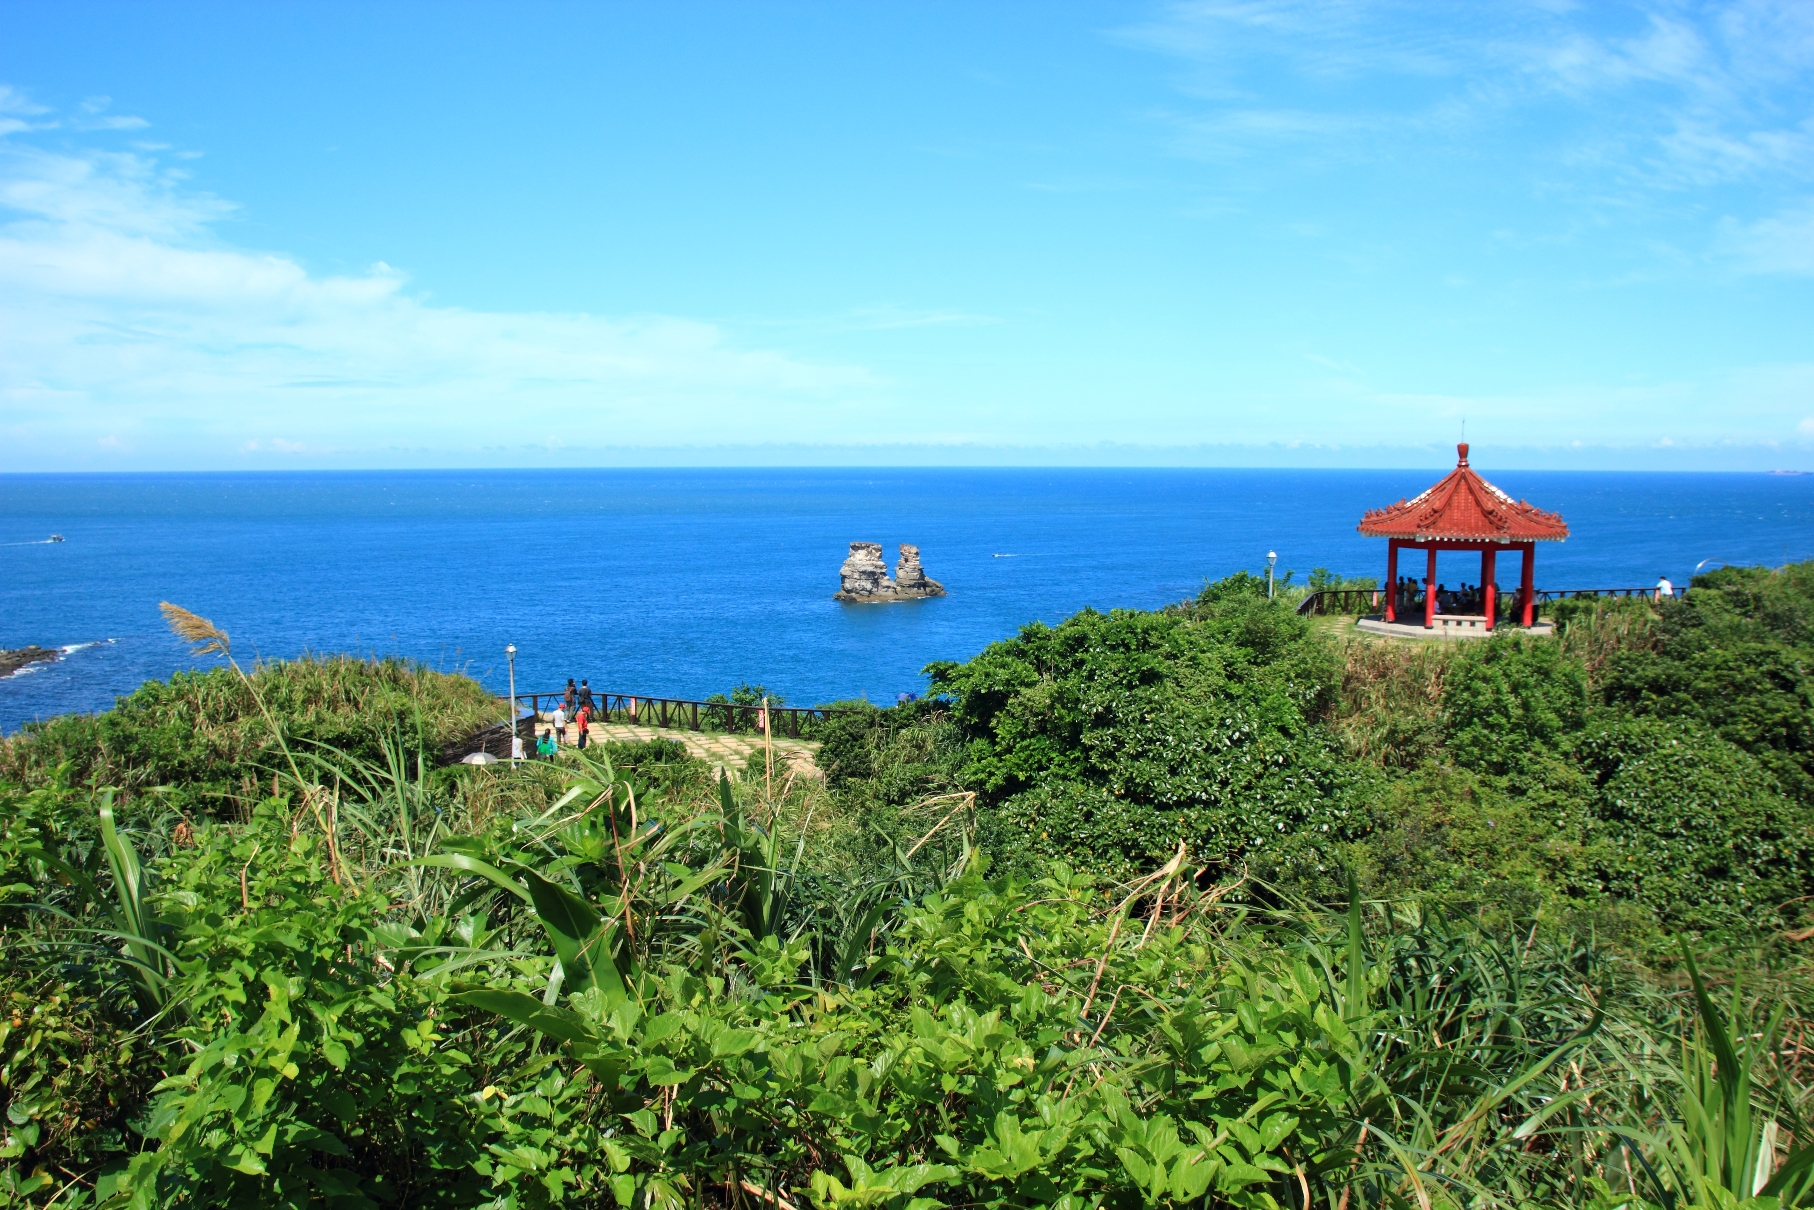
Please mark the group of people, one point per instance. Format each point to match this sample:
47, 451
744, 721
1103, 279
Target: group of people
1468, 599
576, 706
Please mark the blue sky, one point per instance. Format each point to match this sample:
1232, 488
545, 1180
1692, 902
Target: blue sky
251, 236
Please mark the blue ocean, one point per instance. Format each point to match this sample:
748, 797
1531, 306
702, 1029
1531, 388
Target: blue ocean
683, 583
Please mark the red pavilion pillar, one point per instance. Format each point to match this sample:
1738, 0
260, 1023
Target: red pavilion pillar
1429, 593
1527, 591
1489, 558
1392, 580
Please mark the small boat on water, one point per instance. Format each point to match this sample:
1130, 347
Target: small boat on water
56, 537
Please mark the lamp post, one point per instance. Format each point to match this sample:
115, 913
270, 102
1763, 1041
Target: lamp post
1272, 557
510, 654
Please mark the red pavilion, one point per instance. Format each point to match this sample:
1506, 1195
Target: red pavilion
1463, 512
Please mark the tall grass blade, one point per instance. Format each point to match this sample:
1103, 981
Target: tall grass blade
134, 924
1356, 1005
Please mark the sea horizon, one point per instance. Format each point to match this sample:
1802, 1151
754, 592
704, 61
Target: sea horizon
687, 581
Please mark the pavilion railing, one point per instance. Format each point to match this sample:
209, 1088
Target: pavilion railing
687, 714
1350, 601
1356, 601
1559, 594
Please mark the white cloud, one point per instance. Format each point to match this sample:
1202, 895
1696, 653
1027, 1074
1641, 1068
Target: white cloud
123, 312
1782, 243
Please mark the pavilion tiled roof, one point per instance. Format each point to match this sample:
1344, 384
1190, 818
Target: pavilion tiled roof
1465, 508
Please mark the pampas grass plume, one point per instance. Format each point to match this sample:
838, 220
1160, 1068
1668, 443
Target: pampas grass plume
195, 629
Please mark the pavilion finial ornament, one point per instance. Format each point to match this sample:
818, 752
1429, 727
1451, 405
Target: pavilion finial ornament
1462, 450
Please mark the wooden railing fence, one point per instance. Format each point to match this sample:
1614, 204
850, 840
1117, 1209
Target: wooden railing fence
1359, 600
687, 714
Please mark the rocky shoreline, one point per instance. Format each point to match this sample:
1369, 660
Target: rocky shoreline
864, 578
17, 658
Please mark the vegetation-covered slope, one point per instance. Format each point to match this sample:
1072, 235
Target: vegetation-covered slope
1645, 774
1080, 933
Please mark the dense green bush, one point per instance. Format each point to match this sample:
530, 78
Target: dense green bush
1228, 724
1736, 654
1693, 827
307, 1071
1507, 697
204, 736
889, 758
326, 1039
1113, 738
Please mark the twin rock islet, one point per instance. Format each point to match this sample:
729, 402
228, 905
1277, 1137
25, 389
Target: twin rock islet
864, 577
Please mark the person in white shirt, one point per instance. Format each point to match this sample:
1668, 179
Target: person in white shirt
560, 723
1664, 588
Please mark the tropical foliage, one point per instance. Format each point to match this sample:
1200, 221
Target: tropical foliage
1201, 907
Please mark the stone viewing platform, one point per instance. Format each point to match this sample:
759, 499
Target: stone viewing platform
1447, 626
725, 753
864, 577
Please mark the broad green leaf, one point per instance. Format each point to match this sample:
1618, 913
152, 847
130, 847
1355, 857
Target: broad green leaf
579, 934
472, 865
561, 1024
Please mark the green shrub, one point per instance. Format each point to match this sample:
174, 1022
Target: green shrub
1114, 737
1693, 827
203, 733
750, 1005
1509, 696
74, 1070
1736, 654
300, 1065
661, 767
893, 757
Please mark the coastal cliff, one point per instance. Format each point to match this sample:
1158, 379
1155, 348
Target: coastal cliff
864, 578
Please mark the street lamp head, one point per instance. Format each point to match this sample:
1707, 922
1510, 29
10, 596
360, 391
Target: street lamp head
510, 650
1272, 556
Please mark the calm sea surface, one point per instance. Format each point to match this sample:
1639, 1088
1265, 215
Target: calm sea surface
684, 583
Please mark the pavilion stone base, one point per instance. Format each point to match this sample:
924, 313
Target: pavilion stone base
1448, 626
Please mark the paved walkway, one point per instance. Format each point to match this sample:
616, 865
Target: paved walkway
721, 751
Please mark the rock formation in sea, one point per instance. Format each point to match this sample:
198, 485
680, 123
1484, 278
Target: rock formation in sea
864, 577
910, 579
19, 657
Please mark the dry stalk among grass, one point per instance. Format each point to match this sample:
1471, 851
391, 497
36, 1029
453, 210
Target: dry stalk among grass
211, 639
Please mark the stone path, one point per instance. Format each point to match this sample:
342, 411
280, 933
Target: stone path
721, 751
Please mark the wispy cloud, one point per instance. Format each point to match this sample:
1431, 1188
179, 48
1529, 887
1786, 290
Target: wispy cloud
92, 115
127, 322
1708, 94
1780, 243
890, 316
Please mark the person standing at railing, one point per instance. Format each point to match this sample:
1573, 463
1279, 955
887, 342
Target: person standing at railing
1664, 588
567, 700
585, 697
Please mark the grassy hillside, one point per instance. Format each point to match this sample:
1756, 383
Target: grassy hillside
1196, 907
